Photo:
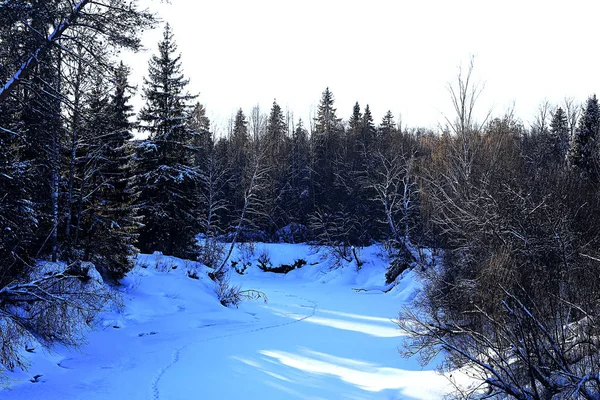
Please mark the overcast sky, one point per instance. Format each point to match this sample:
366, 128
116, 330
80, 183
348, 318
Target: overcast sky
390, 54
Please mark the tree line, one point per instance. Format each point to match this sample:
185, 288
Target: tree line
512, 207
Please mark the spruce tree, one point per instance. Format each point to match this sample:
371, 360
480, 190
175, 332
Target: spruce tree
584, 143
276, 128
367, 129
199, 124
559, 135
166, 175
300, 176
325, 144
18, 216
387, 129
44, 136
366, 141
239, 162
277, 191
355, 121
90, 164
110, 223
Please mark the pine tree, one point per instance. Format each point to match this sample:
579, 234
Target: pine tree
166, 175
584, 144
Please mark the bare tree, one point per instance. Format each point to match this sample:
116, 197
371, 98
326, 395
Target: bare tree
540, 123
573, 111
257, 124
464, 95
395, 187
212, 184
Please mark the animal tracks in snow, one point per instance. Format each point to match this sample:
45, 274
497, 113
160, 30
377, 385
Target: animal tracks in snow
155, 391
163, 370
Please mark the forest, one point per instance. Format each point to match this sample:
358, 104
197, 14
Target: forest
510, 206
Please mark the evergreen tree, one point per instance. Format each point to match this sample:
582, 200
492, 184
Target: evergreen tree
325, 145
366, 141
276, 126
166, 176
110, 222
18, 217
44, 136
355, 165
202, 140
300, 177
387, 129
327, 123
356, 121
239, 160
90, 164
367, 129
559, 135
199, 121
584, 143
277, 189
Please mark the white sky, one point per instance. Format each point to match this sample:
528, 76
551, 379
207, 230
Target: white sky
397, 55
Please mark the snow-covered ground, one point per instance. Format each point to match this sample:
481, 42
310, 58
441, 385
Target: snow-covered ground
315, 338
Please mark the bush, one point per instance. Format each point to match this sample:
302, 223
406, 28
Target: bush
211, 252
233, 295
228, 295
264, 261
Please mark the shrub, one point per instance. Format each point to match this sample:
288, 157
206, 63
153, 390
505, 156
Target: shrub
233, 295
211, 252
240, 267
264, 261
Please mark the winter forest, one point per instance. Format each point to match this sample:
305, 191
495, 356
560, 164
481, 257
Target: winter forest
495, 221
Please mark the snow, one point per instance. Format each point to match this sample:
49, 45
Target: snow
315, 338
